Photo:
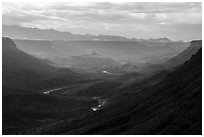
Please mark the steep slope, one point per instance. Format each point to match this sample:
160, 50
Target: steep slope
19, 59
173, 106
165, 63
21, 70
185, 55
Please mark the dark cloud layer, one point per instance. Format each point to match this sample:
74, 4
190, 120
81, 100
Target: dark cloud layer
140, 20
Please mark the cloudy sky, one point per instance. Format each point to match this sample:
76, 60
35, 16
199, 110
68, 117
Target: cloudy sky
177, 21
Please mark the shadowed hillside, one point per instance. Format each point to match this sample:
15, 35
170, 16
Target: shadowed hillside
171, 106
24, 79
185, 55
23, 71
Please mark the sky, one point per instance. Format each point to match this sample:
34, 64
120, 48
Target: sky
176, 21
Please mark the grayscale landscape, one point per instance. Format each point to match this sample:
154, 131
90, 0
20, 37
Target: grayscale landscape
100, 68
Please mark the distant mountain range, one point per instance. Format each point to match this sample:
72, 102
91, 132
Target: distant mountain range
17, 32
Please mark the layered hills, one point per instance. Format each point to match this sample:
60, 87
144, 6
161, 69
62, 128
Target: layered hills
40, 98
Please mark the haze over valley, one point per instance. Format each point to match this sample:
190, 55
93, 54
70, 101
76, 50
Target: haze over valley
75, 78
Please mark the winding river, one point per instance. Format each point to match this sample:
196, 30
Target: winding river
101, 103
